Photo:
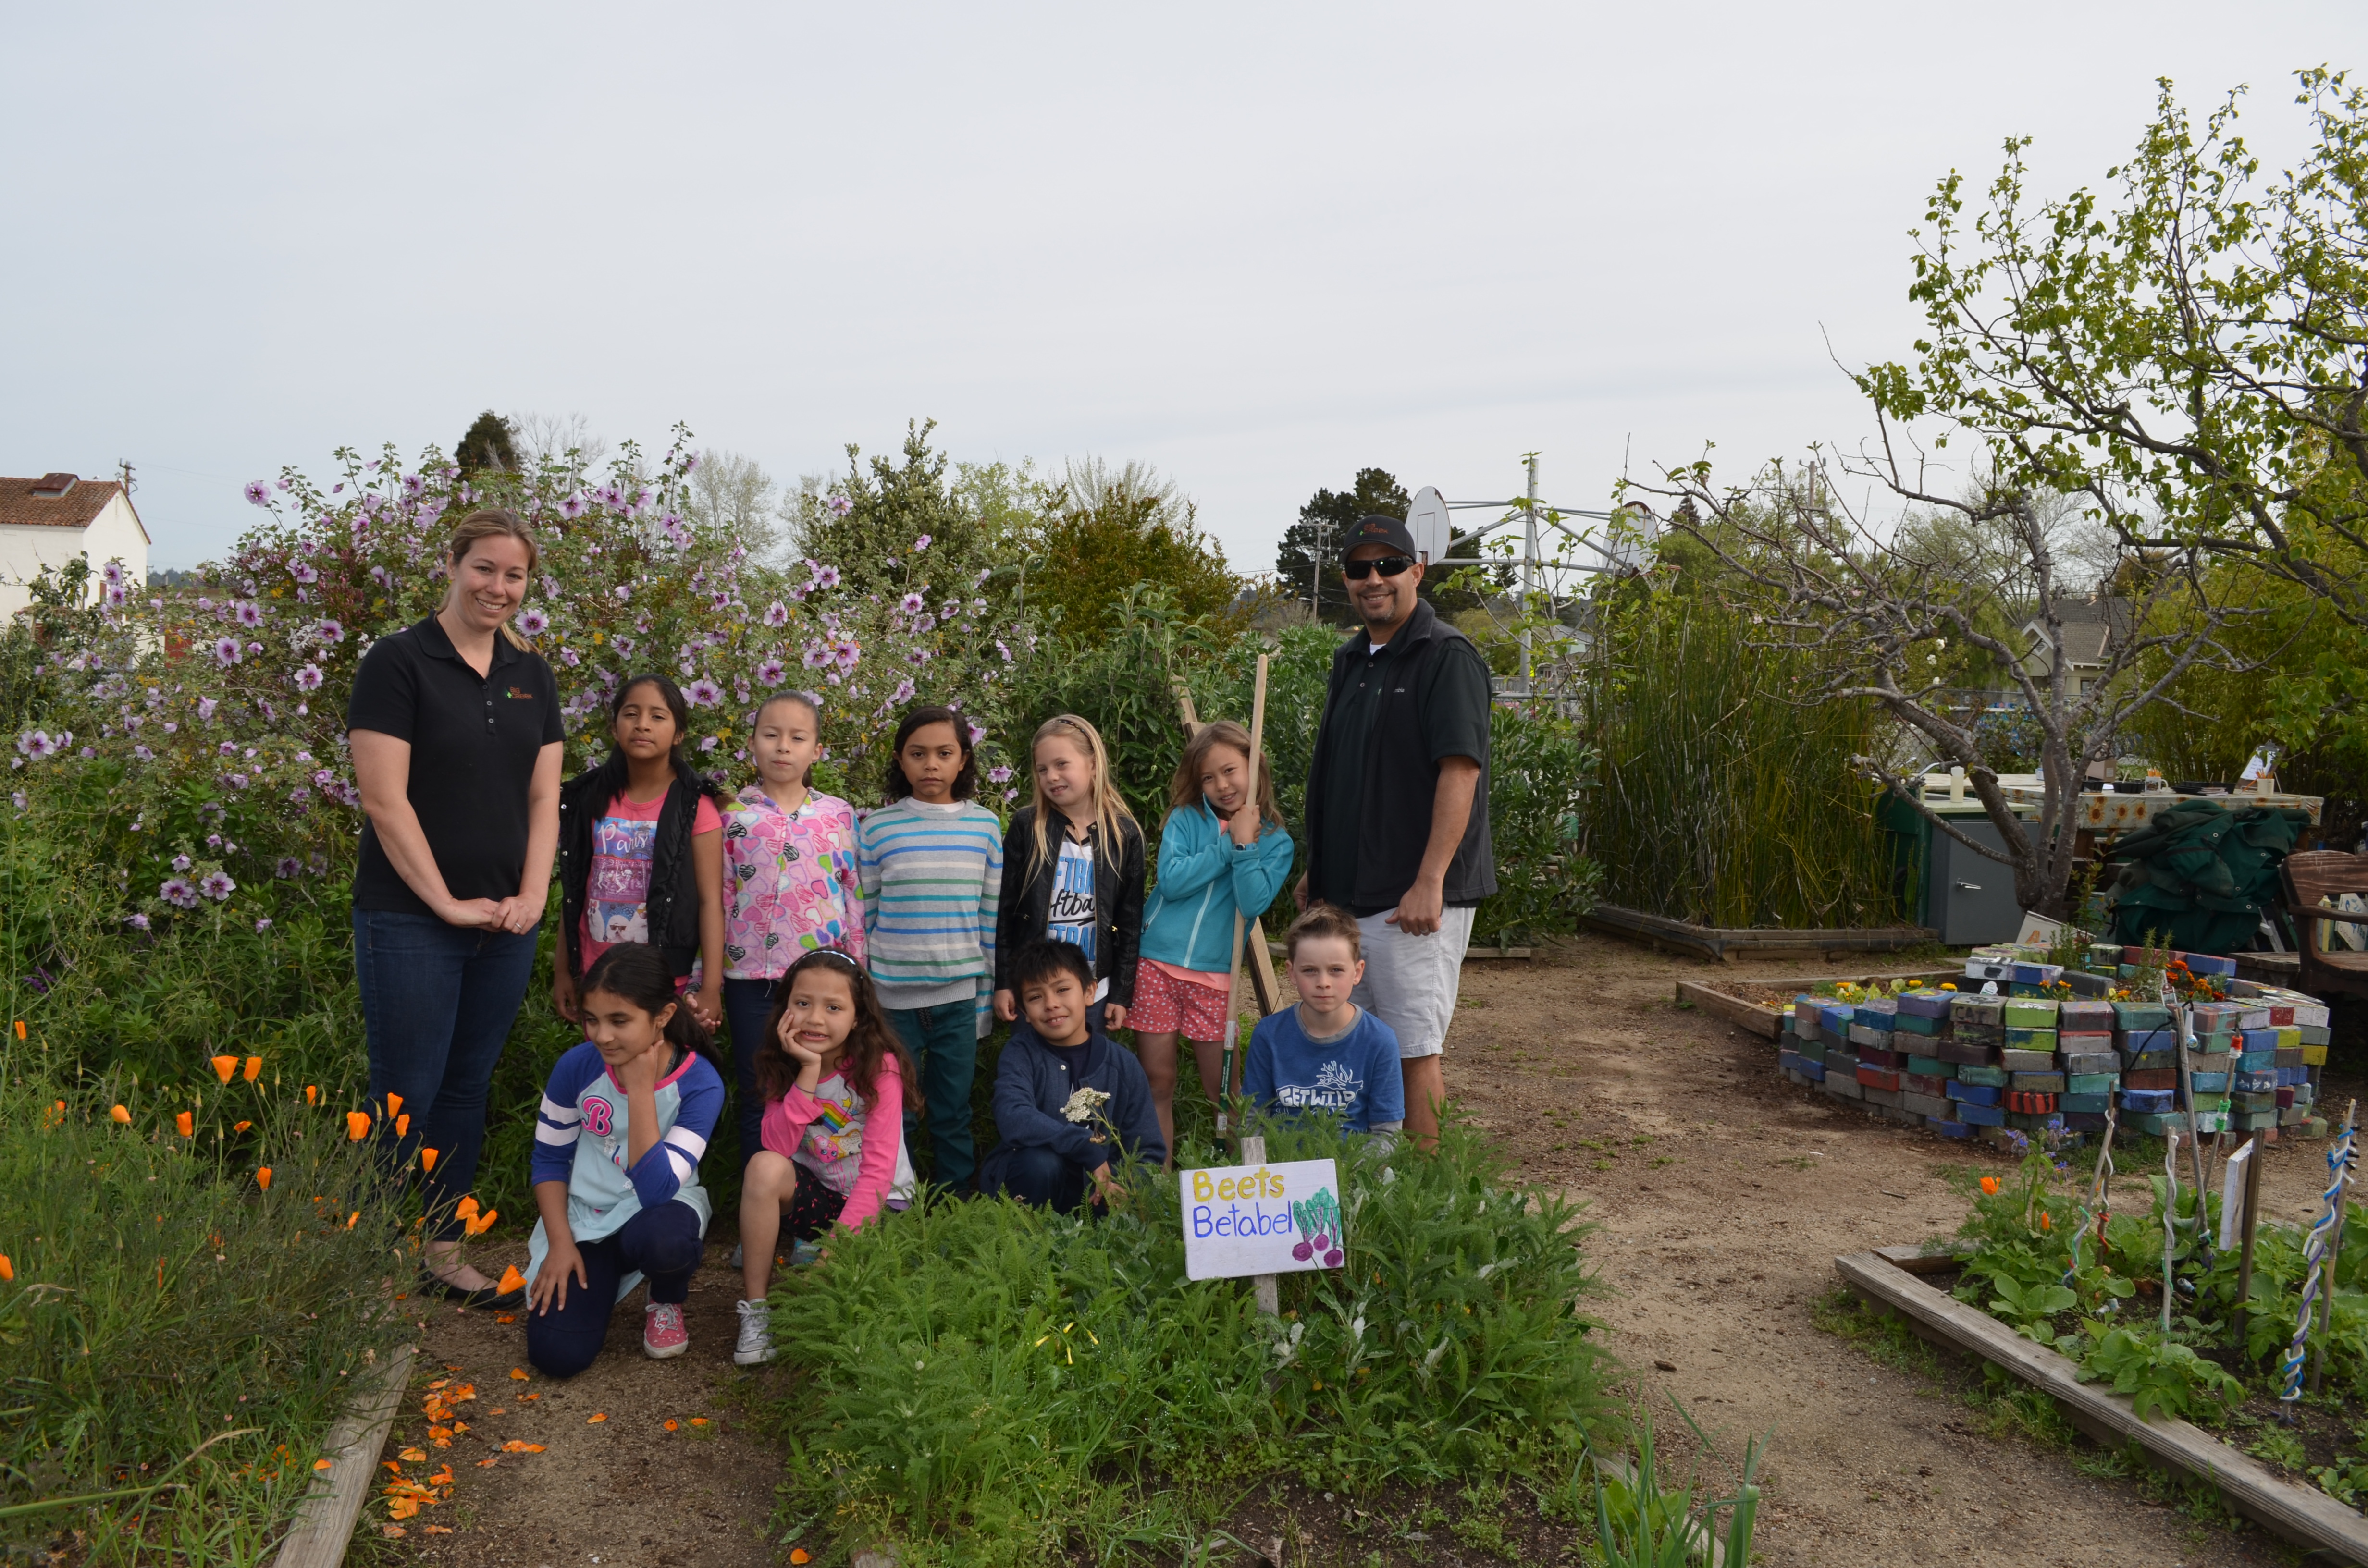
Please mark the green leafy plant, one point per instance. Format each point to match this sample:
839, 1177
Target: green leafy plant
2158, 1372
2030, 1308
1640, 1523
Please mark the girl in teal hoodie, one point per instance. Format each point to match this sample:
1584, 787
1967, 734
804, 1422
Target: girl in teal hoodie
1221, 857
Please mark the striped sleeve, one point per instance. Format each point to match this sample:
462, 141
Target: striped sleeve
671, 1162
561, 1117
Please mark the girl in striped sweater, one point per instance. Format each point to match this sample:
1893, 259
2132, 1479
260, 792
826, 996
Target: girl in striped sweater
931, 862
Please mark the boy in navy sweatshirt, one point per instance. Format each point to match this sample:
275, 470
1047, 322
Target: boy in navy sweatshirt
1063, 1089
1327, 1053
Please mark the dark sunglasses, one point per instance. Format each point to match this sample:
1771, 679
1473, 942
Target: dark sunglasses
1388, 566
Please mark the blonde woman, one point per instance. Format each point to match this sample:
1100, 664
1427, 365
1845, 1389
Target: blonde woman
1072, 869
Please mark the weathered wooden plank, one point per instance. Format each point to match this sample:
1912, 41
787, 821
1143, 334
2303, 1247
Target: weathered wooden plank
1768, 1020
1721, 942
2300, 1513
325, 1523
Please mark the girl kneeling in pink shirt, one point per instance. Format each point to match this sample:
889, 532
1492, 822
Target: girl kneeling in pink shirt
834, 1078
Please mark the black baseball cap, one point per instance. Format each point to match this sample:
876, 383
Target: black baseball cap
1378, 529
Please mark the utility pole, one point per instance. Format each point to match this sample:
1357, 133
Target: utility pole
1315, 573
123, 468
1529, 570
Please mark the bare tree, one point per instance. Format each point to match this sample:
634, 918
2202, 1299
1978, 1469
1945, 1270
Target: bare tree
1093, 487
733, 495
567, 439
1882, 609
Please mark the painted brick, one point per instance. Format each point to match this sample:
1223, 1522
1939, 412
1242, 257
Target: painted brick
1974, 1094
1981, 1115
2027, 1061
1993, 1077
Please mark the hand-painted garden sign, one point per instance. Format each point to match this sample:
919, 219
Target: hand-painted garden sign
1262, 1219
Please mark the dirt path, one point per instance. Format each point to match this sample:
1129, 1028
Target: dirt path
1724, 1196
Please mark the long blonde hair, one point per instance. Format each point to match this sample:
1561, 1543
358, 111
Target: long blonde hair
489, 522
1185, 791
1110, 806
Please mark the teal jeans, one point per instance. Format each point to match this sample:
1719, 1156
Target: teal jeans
944, 1043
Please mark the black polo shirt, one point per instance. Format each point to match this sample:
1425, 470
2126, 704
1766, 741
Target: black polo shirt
474, 739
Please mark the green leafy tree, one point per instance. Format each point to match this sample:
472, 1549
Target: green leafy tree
490, 442
1093, 553
895, 525
1310, 549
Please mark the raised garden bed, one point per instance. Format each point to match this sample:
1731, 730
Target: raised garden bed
1891, 1278
1732, 944
1760, 1004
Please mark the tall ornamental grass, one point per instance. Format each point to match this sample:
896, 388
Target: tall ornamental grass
1726, 797
987, 1382
212, 1286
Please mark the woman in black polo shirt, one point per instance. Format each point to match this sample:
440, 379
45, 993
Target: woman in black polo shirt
454, 725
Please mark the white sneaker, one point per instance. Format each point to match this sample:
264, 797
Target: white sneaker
663, 1333
738, 1254
756, 1334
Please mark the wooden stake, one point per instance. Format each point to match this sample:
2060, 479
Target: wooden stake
1231, 1063
1261, 1285
2185, 1032
2252, 1216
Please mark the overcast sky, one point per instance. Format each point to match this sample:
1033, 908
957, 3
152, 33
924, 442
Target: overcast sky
1261, 246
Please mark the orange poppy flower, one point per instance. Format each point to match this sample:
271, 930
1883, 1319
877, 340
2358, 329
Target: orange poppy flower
466, 1206
311, 1093
183, 1122
224, 1067
393, 1104
800, 1554
478, 1225
426, 1159
20, 1029
121, 1115
254, 1069
511, 1280
8, 1269
358, 1125
1989, 1184
263, 1178
402, 1124
2045, 1223
58, 1114
325, 1464
240, 1126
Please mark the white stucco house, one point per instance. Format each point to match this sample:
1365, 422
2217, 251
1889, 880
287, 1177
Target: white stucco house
50, 520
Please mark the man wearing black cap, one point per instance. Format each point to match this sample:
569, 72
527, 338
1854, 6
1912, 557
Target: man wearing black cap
1397, 803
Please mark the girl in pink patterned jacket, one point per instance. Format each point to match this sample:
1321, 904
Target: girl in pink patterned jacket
835, 1082
790, 884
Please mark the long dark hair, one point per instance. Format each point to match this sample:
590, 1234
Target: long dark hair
638, 974
868, 1043
610, 776
1184, 791
965, 782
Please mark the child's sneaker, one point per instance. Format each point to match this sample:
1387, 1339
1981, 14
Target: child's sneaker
663, 1333
756, 1334
804, 1254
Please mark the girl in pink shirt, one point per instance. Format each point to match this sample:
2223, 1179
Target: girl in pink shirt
789, 883
834, 1078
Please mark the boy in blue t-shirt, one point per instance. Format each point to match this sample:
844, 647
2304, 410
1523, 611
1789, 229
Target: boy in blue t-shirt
1327, 1053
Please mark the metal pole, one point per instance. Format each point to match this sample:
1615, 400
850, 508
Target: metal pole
1529, 568
2334, 1253
2252, 1213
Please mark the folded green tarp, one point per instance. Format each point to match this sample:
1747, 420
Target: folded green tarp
2198, 876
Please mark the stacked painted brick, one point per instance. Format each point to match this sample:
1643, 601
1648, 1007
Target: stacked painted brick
1896, 1055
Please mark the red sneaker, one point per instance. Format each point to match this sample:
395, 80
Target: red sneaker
663, 1333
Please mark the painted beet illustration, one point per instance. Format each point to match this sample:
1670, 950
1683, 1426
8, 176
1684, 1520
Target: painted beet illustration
1318, 1221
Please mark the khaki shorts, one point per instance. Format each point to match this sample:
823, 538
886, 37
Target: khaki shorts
1410, 981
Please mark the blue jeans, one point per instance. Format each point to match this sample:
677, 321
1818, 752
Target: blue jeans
662, 1242
1033, 1174
747, 1005
437, 1002
944, 1043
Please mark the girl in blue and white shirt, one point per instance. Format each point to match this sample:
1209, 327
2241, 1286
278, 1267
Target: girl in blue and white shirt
625, 1120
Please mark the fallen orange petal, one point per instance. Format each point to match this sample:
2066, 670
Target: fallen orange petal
589, 1420
325, 1464
488, 1464
517, 1374
224, 1067
396, 1532
699, 1420
263, 1178
673, 1426
254, 1069
121, 1115
442, 1530
506, 1317
415, 1455
426, 1159
390, 1463
800, 1554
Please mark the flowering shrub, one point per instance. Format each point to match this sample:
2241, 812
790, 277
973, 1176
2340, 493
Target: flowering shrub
213, 715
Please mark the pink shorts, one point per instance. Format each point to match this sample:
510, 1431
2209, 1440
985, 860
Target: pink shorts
1165, 1004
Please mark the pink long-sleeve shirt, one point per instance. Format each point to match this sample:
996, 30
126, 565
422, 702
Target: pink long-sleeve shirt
854, 1147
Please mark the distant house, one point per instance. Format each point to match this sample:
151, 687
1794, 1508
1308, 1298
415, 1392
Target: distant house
2092, 624
50, 520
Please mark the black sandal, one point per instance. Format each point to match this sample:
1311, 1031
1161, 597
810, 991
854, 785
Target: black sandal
489, 1296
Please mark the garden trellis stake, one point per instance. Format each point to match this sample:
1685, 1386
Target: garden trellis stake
2183, 1037
2318, 1266
2335, 1245
2170, 1218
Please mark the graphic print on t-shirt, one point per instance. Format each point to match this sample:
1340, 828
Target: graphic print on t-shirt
1336, 1087
1071, 916
616, 894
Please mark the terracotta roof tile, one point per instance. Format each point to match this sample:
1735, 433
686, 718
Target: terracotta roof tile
19, 506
